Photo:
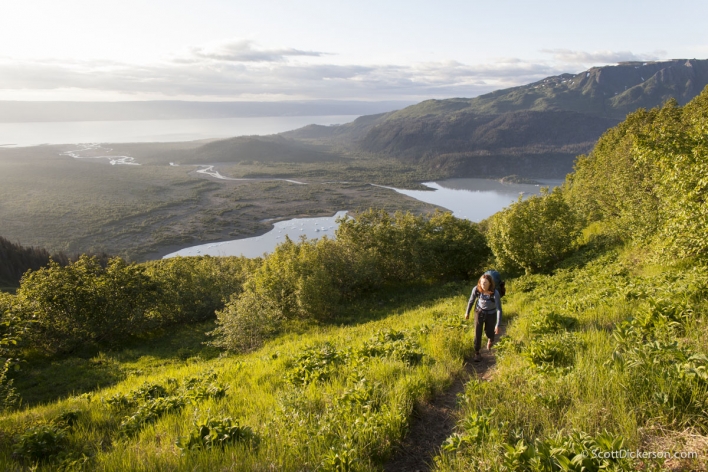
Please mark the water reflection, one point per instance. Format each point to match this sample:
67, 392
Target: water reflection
472, 199
312, 228
475, 199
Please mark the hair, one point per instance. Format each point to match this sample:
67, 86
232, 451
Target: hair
489, 279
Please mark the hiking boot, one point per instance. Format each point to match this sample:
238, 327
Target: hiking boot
489, 345
476, 357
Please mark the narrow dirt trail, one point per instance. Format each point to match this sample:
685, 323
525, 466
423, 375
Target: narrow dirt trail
434, 422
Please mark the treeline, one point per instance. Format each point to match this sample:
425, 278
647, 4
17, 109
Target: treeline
15, 260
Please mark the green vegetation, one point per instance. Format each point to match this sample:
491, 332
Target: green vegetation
533, 234
331, 344
310, 280
649, 175
608, 352
333, 395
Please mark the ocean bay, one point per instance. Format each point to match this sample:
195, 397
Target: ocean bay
143, 131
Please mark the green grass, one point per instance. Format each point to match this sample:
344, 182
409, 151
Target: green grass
356, 412
42, 380
558, 368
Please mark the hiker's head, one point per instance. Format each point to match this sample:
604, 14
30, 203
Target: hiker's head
486, 284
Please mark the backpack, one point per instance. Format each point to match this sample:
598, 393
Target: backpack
498, 282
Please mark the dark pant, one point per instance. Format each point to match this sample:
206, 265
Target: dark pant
486, 321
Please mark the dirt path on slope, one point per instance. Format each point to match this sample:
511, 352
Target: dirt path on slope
434, 422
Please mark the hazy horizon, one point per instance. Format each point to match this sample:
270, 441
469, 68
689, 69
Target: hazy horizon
73, 111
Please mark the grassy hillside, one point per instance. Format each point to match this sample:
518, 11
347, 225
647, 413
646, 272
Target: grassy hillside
331, 349
601, 357
341, 398
325, 397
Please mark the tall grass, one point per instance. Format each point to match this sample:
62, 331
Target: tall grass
349, 418
602, 355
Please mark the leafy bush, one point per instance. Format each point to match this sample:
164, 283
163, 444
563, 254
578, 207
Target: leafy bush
83, 302
393, 344
214, 433
408, 247
311, 279
12, 330
645, 180
533, 234
667, 380
315, 363
40, 443
194, 288
149, 412
554, 350
474, 429
577, 451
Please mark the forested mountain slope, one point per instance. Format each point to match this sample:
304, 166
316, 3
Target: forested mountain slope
535, 130
15, 260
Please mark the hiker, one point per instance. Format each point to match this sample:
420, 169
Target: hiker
487, 312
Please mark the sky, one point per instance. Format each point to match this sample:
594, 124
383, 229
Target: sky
268, 50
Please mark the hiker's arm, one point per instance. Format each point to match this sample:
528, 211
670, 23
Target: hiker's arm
471, 302
497, 300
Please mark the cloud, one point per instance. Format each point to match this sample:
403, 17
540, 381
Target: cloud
239, 70
242, 51
604, 57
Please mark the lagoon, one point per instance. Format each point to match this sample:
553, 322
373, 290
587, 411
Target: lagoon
311, 228
472, 199
475, 199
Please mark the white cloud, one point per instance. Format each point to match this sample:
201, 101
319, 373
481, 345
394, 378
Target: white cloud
601, 57
242, 51
239, 70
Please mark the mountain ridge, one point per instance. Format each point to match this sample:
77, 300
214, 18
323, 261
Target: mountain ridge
541, 127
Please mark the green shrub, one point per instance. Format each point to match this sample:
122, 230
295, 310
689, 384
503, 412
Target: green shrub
310, 280
217, 433
149, 412
576, 451
533, 234
194, 288
645, 180
393, 344
40, 443
12, 331
83, 303
315, 363
552, 349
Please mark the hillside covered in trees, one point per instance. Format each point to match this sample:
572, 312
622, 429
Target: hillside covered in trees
320, 355
537, 129
15, 260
